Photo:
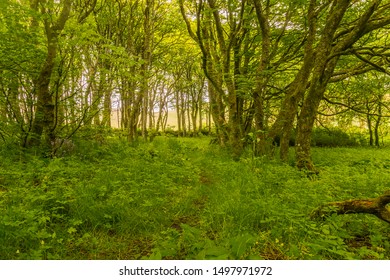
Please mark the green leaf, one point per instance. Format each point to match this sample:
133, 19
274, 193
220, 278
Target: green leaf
71, 230
240, 244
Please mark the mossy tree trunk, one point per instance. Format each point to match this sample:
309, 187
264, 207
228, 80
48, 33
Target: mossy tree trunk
328, 53
221, 45
262, 14
146, 63
375, 206
378, 122
44, 122
369, 123
284, 123
322, 72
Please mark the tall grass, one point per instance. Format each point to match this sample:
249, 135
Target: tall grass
185, 199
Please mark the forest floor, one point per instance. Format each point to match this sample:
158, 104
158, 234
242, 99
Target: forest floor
186, 199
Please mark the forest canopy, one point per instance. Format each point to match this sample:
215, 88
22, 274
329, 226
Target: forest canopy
252, 72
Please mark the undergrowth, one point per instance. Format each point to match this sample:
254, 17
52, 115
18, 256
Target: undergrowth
185, 199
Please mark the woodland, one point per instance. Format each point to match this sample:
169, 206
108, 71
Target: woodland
279, 147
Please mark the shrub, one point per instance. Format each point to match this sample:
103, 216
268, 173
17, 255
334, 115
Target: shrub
152, 133
208, 132
334, 137
169, 131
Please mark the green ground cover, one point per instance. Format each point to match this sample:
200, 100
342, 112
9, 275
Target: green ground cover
185, 199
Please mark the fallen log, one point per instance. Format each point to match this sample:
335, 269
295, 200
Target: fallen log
375, 206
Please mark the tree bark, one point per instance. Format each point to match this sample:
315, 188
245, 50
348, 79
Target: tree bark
43, 124
327, 56
369, 123
375, 206
258, 95
146, 57
106, 121
284, 124
377, 123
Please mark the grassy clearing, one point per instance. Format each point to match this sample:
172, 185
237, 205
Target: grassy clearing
185, 199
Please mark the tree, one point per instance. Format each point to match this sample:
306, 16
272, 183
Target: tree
19, 55
341, 31
43, 123
222, 31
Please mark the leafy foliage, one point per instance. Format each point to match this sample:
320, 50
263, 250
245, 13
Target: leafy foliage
179, 198
336, 137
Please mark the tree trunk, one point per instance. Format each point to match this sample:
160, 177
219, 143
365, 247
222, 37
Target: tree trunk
178, 115
43, 124
183, 113
369, 123
134, 112
200, 110
146, 56
44, 115
217, 114
322, 71
308, 113
284, 123
234, 123
375, 206
106, 121
377, 123
151, 115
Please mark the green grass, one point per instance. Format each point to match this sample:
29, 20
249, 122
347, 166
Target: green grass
185, 199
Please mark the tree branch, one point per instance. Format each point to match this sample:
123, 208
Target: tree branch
375, 206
